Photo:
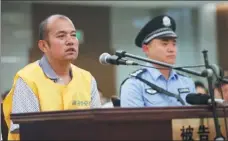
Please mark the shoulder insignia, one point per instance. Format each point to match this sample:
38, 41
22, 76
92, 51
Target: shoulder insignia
138, 72
133, 74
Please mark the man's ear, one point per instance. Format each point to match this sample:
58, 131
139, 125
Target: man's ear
145, 48
42, 45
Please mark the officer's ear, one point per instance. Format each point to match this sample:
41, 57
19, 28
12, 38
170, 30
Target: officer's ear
145, 48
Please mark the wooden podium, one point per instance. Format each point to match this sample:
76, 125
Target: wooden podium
108, 124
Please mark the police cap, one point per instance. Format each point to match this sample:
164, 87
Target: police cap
159, 27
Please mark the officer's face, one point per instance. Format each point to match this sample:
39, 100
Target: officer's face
61, 43
163, 50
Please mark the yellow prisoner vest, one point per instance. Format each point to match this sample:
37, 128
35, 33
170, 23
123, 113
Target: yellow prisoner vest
52, 96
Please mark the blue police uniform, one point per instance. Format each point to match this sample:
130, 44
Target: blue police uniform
135, 93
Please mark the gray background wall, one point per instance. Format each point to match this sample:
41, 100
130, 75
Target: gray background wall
16, 39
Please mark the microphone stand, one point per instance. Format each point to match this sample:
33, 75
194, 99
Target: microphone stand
219, 135
122, 54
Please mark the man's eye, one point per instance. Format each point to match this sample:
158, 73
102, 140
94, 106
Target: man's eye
73, 35
165, 44
60, 36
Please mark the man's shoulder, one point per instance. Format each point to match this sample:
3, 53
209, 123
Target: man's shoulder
132, 77
29, 68
77, 70
138, 72
186, 78
27, 73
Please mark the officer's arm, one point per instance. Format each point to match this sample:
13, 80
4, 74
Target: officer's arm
131, 94
24, 100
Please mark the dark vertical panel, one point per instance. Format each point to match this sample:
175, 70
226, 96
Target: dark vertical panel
222, 35
95, 23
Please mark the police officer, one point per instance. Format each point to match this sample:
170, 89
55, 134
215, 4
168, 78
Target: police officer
158, 41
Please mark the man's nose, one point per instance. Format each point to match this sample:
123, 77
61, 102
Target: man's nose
171, 48
70, 40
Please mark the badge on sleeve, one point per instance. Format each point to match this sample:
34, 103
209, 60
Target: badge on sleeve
183, 90
151, 91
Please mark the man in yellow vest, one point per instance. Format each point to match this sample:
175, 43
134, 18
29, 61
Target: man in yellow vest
52, 83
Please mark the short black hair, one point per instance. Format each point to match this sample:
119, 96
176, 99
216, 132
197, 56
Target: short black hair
199, 84
43, 25
42, 29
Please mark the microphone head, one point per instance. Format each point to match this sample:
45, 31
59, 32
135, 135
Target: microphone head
103, 57
218, 71
197, 99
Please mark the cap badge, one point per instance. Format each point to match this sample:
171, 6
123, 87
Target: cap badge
166, 21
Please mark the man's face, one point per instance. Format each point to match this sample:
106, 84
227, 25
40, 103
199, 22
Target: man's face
201, 90
62, 43
163, 50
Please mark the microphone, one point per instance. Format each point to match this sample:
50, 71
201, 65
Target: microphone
213, 70
106, 59
217, 70
203, 99
219, 73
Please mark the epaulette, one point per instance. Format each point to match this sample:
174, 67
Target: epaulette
138, 72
